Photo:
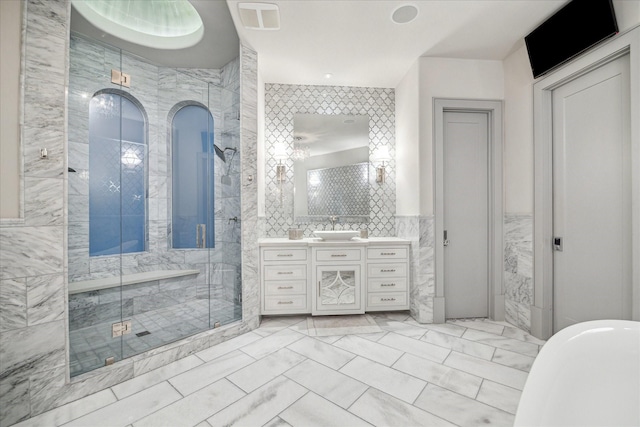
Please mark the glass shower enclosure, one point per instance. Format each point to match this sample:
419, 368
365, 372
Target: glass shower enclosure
154, 204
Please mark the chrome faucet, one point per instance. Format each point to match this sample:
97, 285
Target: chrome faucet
333, 220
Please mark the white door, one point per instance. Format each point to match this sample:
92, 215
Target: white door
592, 197
466, 216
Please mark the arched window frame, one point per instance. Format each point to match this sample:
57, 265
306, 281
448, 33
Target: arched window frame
210, 243
145, 141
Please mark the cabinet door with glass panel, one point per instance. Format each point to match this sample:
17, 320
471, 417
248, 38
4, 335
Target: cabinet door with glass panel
338, 290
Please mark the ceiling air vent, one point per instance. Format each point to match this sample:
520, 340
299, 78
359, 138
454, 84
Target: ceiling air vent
259, 16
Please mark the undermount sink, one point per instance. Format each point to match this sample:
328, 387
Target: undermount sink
336, 234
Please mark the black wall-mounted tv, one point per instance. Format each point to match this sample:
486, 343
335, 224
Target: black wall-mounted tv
579, 25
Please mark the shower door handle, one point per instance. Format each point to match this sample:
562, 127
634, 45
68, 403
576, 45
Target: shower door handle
201, 235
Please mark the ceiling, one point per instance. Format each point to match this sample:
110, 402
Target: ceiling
219, 45
354, 40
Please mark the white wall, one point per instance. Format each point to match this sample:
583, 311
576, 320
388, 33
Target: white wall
518, 132
518, 117
10, 53
454, 79
407, 143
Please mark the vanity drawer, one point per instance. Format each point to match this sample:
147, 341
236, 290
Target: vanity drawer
386, 299
288, 287
387, 270
338, 255
386, 285
284, 255
288, 302
285, 272
387, 253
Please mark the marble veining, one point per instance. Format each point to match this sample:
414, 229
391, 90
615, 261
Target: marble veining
33, 371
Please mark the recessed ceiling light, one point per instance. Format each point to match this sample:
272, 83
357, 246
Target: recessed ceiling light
167, 24
328, 75
259, 16
404, 14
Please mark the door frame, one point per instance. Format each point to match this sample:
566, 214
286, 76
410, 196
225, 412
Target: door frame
624, 43
495, 252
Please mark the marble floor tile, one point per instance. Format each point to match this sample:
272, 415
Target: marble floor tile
519, 334
130, 409
413, 331
445, 328
332, 385
492, 371
156, 376
369, 349
322, 352
436, 373
373, 337
416, 347
228, 346
277, 422
314, 411
205, 374
271, 343
380, 409
480, 325
266, 369
528, 349
390, 381
261, 405
461, 410
195, 408
460, 345
512, 359
499, 396
71, 411
467, 372
398, 316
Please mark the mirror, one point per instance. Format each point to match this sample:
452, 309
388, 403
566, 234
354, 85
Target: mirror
331, 167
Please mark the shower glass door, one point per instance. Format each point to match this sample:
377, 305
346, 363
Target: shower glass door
154, 204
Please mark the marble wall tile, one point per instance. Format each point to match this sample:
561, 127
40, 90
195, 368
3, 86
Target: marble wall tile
282, 102
46, 297
13, 300
419, 231
30, 251
14, 399
33, 372
36, 138
518, 270
32, 349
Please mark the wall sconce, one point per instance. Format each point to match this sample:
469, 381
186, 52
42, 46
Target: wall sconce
280, 154
382, 156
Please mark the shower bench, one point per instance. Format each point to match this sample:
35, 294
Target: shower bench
127, 279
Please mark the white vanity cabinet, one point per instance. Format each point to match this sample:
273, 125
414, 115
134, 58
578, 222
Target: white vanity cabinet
337, 280
284, 280
333, 277
387, 278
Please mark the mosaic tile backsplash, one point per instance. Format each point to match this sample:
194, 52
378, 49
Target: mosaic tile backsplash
282, 102
343, 191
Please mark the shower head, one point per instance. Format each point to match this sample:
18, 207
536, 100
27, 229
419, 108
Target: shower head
220, 152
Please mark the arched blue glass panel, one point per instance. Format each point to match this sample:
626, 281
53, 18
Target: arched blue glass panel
117, 181
192, 158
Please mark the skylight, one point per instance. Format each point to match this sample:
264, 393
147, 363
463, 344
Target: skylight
160, 24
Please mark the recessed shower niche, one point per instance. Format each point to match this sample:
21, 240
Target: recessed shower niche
154, 215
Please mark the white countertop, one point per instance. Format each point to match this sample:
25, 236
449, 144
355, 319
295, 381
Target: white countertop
316, 241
